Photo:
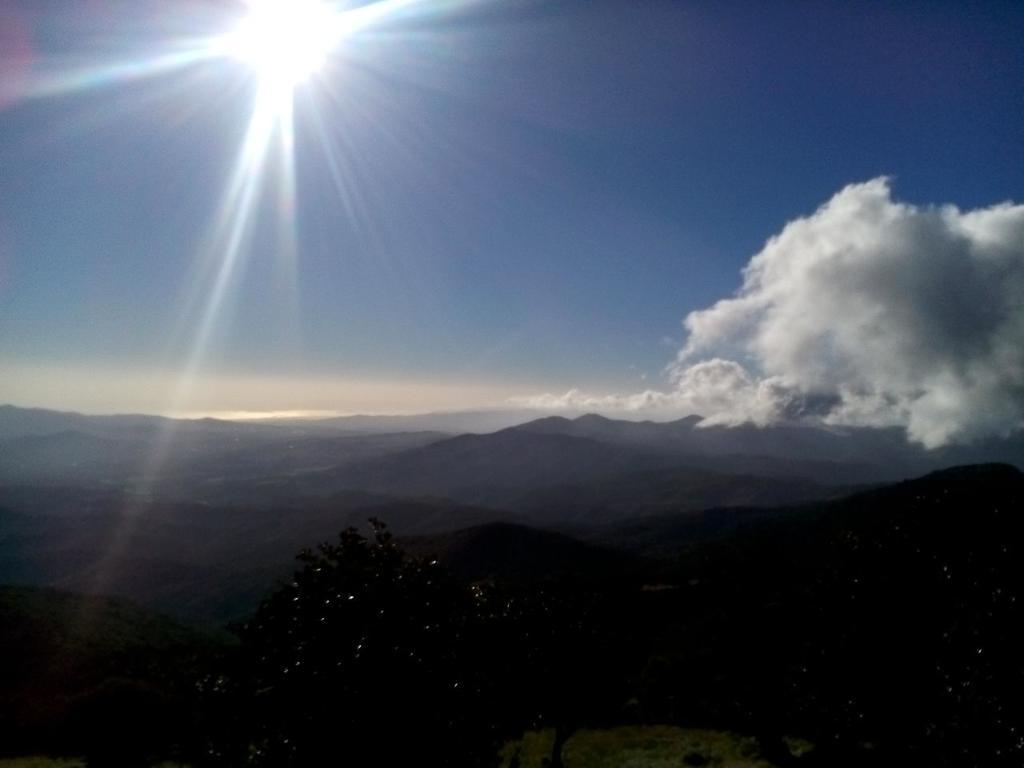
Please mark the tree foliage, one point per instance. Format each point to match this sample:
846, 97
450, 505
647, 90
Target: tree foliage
371, 656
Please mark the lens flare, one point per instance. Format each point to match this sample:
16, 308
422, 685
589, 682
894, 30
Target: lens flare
285, 41
282, 45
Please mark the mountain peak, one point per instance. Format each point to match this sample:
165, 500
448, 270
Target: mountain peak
592, 418
544, 424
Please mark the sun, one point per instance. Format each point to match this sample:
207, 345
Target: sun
285, 41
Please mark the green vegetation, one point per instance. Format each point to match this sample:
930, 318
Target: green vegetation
655, 746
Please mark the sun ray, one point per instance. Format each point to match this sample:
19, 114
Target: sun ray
284, 45
68, 81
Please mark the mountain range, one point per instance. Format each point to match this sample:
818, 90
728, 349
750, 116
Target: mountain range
201, 517
835, 584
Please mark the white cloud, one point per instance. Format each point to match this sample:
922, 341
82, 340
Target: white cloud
867, 312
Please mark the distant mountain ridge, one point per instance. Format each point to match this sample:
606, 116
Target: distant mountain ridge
552, 470
857, 454
510, 459
23, 422
558, 453
687, 437
839, 456
456, 422
16, 421
194, 459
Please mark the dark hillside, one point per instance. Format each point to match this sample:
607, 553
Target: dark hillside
77, 670
508, 553
653, 492
886, 627
883, 628
196, 561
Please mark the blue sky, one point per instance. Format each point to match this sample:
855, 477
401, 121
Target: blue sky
535, 193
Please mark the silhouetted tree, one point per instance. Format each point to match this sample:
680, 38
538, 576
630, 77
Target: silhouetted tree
358, 660
373, 657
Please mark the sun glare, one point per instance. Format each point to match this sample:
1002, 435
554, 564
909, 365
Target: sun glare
285, 41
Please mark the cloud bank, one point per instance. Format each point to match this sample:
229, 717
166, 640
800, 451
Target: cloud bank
868, 312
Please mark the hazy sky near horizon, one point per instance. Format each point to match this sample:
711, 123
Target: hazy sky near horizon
489, 200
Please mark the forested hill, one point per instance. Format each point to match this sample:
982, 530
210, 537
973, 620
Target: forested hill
94, 674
